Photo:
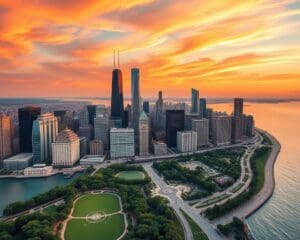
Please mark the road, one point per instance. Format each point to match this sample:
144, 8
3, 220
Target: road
177, 203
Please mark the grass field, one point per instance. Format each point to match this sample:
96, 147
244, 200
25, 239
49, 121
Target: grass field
50, 209
104, 202
110, 229
198, 234
131, 175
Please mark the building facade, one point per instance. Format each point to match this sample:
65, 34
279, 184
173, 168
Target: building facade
101, 126
121, 142
143, 134
202, 107
44, 132
135, 99
201, 127
160, 148
174, 124
5, 136
117, 102
187, 141
96, 147
65, 149
221, 130
237, 120
195, 101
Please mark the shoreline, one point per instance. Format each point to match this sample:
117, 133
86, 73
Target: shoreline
258, 200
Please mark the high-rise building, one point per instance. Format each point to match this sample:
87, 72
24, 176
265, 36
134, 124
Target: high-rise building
44, 132
117, 105
121, 142
127, 116
26, 117
144, 134
209, 115
83, 146
249, 126
221, 130
195, 101
83, 118
201, 127
91, 109
61, 119
202, 107
187, 141
174, 124
159, 111
188, 118
96, 147
237, 120
101, 126
5, 136
65, 149
135, 99
146, 107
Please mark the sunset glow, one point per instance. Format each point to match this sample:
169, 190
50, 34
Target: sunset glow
54, 48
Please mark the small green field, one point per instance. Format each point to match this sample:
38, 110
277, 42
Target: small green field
104, 202
110, 229
130, 175
95, 217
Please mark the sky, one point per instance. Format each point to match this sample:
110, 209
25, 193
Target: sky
233, 48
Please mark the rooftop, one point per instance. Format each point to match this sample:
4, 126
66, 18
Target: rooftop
66, 135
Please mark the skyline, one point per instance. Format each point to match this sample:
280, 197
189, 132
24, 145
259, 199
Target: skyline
224, 49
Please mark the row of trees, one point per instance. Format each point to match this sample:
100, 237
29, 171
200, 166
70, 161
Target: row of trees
220, 210
154, 218
236, 227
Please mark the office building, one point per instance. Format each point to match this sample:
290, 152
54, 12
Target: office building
237, 120
44, 132
135, 99
101, 126
221, 130
61, 119
38, 170
238, 107
83, 118
195, 101
16, 145
209, 115
187, 141
91, 109
159, 111
117, 104
201, 127
65, 149
160, 148
174, 124
202, 107
96, 147
83, 146
5, 136
249, 126
188, 118
143, 134
86, 131
92, 160
26, 117
121, 142
146, 107
18, 162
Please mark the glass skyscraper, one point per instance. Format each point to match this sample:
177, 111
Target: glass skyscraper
117, 103
174, 124
135, 98
195, 101
202, 107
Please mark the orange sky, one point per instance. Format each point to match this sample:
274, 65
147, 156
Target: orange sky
224, 48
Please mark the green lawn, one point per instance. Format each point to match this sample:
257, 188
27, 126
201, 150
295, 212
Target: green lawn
110, 229
198, 234
104, 202
260, 167
131, 175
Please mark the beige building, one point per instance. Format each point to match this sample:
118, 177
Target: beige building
96, 147
160, 148
201, 127
66, 149
143, 134
5, 136
186, 141
221, 130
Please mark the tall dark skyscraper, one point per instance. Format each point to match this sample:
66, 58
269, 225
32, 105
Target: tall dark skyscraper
26, 117
202, 107
135, 98
159, 111
237, 120
238, 107
174, 124
117, 104
146, 107
91, 113
195, 101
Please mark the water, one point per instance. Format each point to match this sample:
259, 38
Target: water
12, 189
279, 218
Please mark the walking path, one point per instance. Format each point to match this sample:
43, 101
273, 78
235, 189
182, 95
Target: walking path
264, 195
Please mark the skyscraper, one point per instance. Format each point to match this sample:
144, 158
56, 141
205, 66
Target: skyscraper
44, 132
143, 134
91, 113
26, 117
135, 98
221, 130
202, 107
186, 141
5, 136
96, 147
238, 107
201, 127
237, 120
117, 105
146, 107
159, 111
121, 142
174, 124
195, 101
101, 125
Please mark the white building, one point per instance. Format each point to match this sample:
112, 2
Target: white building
92, 160
221, 130
66, 149
121, 142
160, 148
186, 141
18, 162
44, 132
143, 134
38, 170
201, 127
